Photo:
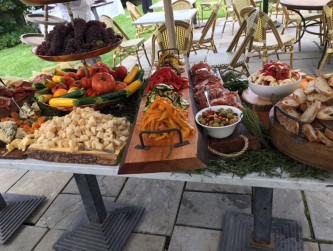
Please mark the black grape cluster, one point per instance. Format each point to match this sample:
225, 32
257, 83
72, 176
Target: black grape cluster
81, 37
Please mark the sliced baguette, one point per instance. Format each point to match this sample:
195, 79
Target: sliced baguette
322, 138
299, 96
327, 76
310, 133
311, 112
310, 88
328, 133
293, 112
330, 81
322, 87
326, 113
318, 96
289, 102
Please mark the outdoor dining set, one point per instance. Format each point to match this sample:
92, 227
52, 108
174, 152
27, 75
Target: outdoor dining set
261, 38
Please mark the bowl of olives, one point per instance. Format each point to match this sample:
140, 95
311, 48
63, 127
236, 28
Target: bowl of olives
219, 121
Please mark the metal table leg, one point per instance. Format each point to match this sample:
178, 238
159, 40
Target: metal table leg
14, 210
260, 231
100, 226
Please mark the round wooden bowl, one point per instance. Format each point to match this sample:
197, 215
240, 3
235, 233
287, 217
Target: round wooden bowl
79, 56
298, 148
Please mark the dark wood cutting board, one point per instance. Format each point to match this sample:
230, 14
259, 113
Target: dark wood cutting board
234, 143
81, 157
15, 154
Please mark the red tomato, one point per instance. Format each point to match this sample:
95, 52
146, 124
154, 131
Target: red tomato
86, 82
120, 86
121, 71
91, 93
103, 82
72, 75
97, 69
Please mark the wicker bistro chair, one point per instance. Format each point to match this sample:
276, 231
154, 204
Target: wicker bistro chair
228, 11
135, 14
184, 5
290, 18
205, 39
238, 5
267, 38
231, 60
207, 5
128, 46
328, 27
184, 36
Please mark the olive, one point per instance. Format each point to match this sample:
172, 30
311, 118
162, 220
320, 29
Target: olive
216, 125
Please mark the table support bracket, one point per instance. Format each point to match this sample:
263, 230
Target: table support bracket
14, 210
260, 231
102, 225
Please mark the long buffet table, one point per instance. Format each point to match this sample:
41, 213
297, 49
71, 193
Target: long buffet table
98, 214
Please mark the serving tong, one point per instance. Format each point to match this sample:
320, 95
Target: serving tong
207, 95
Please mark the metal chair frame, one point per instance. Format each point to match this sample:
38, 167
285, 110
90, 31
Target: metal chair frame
290, 18
135, 14
205, 42
328, 35
231, 60
279, 44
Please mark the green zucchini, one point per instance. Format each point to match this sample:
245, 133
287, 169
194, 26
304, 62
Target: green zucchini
88, 101
38, 86
139, 75
69, 70
114, 95
41, 92
75, 94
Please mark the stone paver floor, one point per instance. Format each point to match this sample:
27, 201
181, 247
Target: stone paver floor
179, 215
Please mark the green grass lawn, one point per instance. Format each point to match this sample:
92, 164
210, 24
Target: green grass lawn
19, 61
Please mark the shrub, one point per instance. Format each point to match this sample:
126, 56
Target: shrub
11, 15
10, 39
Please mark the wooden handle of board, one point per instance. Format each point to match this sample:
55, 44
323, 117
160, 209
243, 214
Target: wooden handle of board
232, 155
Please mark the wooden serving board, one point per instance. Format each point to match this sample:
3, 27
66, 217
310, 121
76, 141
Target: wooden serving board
234, 143
313, 154
162, 156
15, 154
66, 156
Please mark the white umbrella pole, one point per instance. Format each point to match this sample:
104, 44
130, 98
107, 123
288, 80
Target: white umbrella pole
170, 23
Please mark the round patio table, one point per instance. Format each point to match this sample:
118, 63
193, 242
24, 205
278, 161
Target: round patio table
297, 5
